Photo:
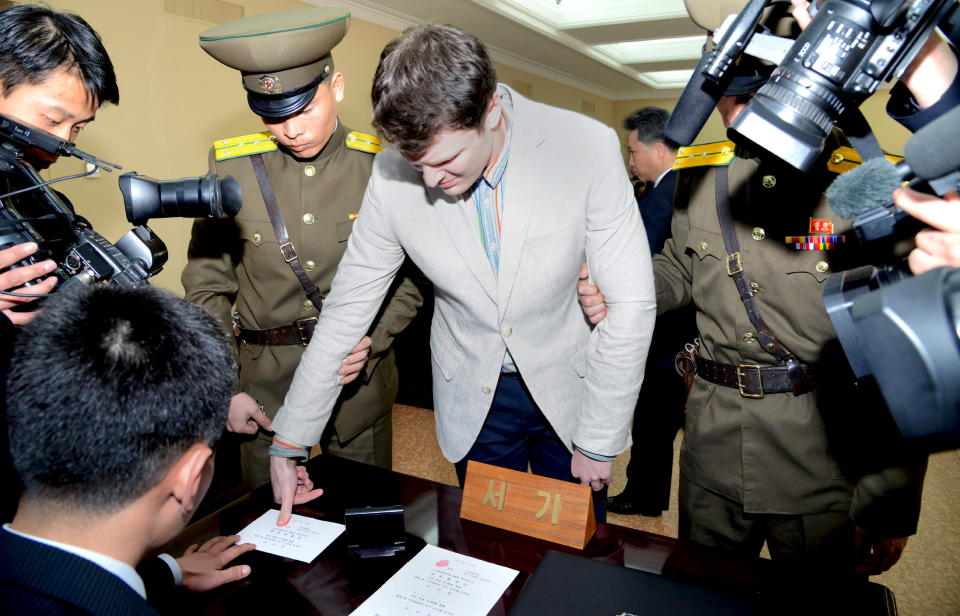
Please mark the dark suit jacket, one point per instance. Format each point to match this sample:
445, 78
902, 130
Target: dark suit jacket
39, 579
656, 209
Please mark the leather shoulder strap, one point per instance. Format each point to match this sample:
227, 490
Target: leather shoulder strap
287, 249
765, 337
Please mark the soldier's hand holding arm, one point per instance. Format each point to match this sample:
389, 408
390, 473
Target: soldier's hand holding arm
353, 363
591, 300
13, 279
246, 415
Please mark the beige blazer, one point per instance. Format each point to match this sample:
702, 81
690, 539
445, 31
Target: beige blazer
567, 200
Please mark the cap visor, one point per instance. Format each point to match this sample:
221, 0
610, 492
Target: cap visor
280, 106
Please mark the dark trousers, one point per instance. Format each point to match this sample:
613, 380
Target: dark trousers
814, 542
659, 414
516, 435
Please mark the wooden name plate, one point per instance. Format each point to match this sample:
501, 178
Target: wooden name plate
531, 505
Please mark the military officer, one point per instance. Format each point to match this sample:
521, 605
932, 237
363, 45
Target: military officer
779, 445
302, 181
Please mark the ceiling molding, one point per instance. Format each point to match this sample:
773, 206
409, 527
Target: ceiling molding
613, 79
395, 20
514, 61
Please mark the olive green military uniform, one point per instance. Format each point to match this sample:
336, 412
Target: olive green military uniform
238, 262
780, 454
283, 58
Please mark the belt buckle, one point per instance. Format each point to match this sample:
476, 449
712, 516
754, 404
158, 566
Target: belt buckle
734, 264
302, 329
740, 378
288, 252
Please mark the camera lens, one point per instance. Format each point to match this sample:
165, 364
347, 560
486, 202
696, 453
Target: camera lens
819, 80
207, 196
789, 119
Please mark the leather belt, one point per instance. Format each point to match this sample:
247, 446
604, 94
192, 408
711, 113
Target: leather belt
756, 381
299, 332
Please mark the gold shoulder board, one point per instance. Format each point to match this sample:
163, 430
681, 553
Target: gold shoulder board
363, 142
716, 154
245, 145
844, 159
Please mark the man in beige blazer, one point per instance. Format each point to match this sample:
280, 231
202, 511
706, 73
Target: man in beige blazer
498, 200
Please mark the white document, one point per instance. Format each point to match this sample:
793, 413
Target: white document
438, 582
302, 538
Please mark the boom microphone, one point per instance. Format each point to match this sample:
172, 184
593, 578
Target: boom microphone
865, 193
867, 187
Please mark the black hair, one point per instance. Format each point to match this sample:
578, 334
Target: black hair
649, 123
108, 387
431, 78
36, 40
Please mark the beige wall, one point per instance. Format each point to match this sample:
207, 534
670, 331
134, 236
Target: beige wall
175, 100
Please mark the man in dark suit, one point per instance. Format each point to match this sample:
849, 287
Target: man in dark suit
114, 400
659, 412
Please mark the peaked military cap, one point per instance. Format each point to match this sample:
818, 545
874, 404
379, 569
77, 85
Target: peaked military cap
283, 56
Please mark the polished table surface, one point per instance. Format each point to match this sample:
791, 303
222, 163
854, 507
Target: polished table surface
336, 583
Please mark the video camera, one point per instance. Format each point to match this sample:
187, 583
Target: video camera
821, 78
897, 330
30, 211
900, 330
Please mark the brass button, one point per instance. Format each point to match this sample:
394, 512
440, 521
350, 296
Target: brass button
485, 389
759, 233
309, 266
822, 266
256, 237
769, 181
755, 287
702, 246
308, 218
309, 171
308, 305
749, 338
837, 158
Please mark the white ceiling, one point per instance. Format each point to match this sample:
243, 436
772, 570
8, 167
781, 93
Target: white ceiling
617, 49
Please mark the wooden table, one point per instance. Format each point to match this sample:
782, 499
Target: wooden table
336, 583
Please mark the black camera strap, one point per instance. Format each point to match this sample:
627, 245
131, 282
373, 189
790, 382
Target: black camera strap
765, 337
858, 132
287, 249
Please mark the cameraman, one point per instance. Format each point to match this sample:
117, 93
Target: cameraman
54, 75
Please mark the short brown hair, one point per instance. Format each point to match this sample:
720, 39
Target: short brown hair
431, 78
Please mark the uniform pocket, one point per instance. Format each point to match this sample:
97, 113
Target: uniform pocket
256, 232
705, 245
